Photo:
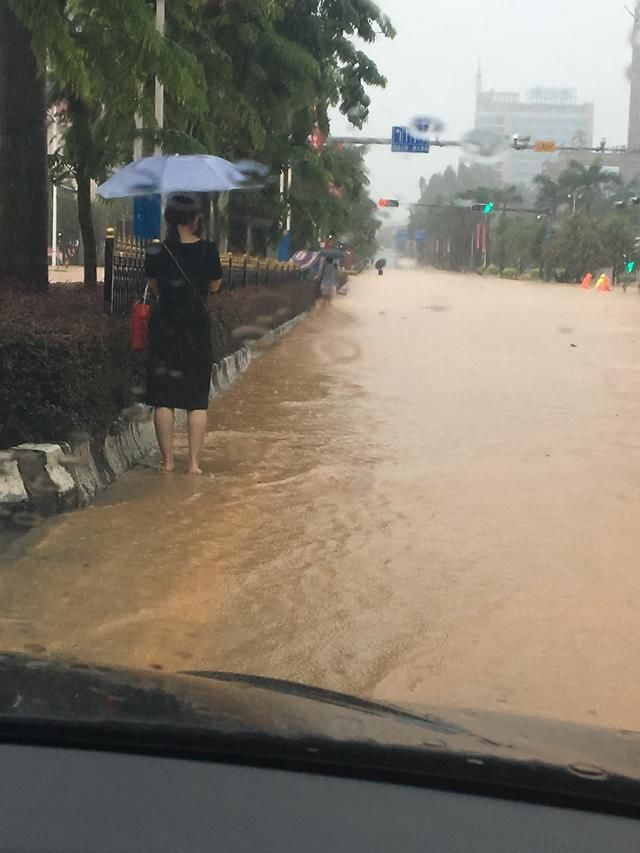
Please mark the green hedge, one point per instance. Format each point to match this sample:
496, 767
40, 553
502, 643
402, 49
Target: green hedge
52, 385
510, 272
66, 366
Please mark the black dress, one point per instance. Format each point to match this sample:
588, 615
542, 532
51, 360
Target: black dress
180, 357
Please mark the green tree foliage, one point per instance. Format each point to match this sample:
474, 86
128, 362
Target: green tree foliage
618, 234
243, 79
451, 184
326, 30
329, 198
99, 57
550, 194
577, 248
591, 185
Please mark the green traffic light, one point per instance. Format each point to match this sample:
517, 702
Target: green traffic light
631, 266
488, 208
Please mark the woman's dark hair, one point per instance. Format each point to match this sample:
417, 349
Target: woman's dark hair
181, 209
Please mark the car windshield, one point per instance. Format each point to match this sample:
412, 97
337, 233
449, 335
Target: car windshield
319, 339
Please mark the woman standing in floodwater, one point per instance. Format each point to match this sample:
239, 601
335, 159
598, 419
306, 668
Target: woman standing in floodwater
182, 271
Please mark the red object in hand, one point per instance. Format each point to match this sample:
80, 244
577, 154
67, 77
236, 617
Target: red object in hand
140, 317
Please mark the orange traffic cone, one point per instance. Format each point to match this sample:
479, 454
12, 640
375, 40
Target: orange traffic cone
586, 281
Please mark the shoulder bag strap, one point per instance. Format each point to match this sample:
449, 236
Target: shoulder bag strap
183, 273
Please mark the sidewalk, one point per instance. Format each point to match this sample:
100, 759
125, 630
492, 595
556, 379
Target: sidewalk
61, 275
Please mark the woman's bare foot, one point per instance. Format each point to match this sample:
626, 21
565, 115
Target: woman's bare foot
194, 469
167, 467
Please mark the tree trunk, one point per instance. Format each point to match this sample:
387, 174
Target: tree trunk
216, 234
87, 231
23, 158
205, 204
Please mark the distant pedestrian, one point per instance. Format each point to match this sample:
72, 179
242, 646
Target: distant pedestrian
182, 271
328, 279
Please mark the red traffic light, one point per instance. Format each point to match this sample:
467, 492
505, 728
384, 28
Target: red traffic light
388, 202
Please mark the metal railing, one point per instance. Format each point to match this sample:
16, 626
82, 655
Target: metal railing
125, 281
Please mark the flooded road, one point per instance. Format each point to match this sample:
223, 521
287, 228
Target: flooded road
428, 492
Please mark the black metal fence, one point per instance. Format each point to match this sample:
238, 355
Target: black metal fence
125, 281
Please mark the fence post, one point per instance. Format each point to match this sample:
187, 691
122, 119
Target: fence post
109, 240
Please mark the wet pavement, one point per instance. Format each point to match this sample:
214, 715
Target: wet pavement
427, 492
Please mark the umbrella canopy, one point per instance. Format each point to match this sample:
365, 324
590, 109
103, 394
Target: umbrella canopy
199, 173
381, 264
334, 254
305, 259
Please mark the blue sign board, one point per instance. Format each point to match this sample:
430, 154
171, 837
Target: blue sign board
147, 217
284, 247
402, 142
420, 235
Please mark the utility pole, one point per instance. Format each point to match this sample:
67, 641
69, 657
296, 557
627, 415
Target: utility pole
147, 210
54, 226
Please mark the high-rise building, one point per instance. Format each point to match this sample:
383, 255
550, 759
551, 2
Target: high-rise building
623, 162
546, 114
634, 74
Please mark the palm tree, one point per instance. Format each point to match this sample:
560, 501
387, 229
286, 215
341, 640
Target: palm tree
587, 182
23, 157
550, 194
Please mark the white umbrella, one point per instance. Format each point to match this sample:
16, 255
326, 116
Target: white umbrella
199, 173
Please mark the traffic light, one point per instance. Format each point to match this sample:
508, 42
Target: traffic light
485, 207
388, 202
631, 266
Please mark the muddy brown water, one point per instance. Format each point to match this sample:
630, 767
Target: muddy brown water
428, 492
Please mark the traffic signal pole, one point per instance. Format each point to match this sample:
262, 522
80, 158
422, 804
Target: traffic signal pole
472, 207
455, 143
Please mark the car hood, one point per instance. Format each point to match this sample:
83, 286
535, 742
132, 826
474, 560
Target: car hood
259, 721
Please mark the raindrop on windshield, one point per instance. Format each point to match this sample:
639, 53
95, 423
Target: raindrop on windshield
425, 126
485, 144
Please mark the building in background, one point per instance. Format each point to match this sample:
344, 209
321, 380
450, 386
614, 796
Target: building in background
624, 162
546, 114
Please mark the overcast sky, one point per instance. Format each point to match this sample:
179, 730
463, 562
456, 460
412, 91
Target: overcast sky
432, 63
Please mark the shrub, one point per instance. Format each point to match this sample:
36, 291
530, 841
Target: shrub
65, 365
510, 272
532, 274
492, 269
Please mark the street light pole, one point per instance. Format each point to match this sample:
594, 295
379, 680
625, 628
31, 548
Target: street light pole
54, 227
147, 210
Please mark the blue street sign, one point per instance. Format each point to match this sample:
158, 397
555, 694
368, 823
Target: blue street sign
402, 142
420, 235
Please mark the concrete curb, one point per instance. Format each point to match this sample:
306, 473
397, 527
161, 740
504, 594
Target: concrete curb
47, 479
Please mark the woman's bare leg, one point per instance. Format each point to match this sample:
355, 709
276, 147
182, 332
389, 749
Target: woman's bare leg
163, 421
197, 420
